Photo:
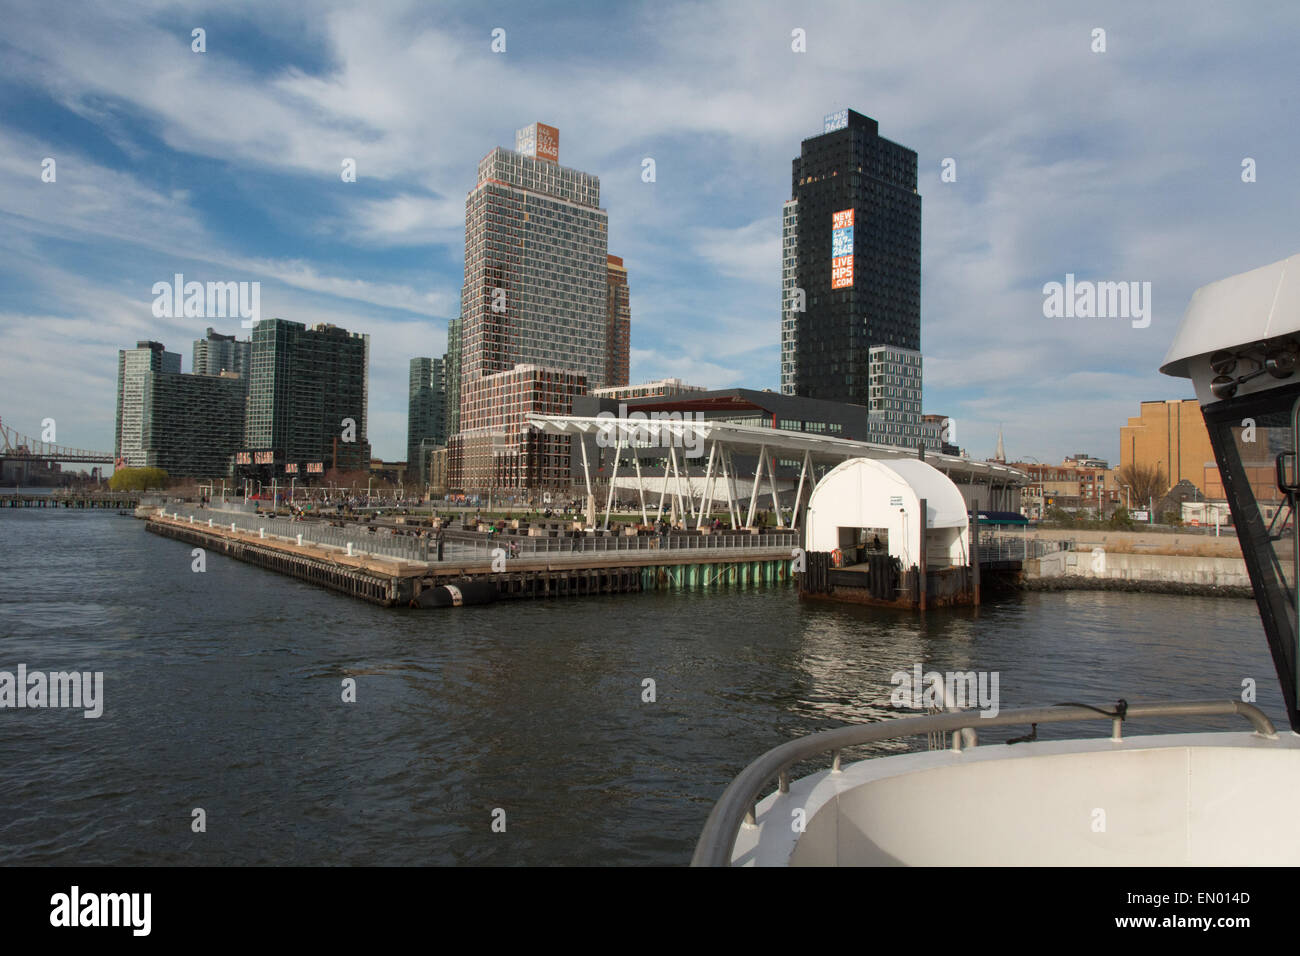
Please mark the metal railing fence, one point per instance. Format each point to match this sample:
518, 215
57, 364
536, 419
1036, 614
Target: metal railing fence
422, 546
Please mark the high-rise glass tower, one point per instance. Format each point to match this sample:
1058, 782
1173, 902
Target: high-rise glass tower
618, 330
216, 353
851, 269
536, 247
535, 304
192, 424
426, 422
132, 366
304, 384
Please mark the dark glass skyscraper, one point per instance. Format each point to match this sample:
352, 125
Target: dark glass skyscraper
303, 384
192, 424
851, 258
426, 422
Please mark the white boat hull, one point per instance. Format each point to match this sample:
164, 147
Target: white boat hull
1214, 799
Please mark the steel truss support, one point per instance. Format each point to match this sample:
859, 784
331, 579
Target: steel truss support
706, 493
798, 495
613, 478
754, 491
729, 468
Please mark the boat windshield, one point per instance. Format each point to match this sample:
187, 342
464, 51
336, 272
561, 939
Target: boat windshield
1254, 439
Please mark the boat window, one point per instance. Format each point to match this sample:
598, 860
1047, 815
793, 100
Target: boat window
1256, 450
1253, 446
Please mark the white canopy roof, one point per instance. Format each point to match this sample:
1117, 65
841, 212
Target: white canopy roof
856, 493
945, 507
750, 438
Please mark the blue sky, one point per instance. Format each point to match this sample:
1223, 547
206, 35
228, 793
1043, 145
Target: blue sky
1115, 166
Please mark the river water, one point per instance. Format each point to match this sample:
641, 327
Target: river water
223, 691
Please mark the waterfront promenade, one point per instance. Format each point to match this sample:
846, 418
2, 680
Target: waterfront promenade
391, 564
393, 569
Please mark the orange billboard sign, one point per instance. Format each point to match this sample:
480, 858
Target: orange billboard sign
842, 249
548, 143
540, 140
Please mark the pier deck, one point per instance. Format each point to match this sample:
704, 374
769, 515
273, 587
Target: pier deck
78, 500
396, 581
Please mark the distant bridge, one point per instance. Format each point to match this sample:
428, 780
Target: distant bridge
14, 446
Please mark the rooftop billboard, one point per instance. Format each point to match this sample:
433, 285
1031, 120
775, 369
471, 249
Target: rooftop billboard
540, 140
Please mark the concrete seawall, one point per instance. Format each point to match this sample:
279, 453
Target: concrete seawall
1145, 542
1118, 571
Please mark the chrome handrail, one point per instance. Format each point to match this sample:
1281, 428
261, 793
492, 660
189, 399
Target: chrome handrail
738, 803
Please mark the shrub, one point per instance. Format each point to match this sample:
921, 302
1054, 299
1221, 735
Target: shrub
137, 479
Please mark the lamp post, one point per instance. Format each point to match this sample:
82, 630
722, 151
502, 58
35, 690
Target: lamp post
1151, 516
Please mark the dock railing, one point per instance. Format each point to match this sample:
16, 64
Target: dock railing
1015, 547
422, 546
386, 545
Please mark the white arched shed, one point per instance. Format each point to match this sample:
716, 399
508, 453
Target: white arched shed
866, 495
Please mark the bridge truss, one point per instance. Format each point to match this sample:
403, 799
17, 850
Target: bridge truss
16, 446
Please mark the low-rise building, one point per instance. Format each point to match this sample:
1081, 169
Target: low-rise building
937, 433
496, 449
1069, 487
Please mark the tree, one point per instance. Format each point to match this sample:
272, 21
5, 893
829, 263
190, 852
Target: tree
1059, 515
137, 479
1145, 482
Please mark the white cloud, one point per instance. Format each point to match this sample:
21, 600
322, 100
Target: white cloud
751, 252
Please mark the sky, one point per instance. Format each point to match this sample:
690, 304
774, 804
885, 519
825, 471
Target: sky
1121, 165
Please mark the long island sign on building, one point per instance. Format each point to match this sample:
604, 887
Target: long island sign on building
842, 249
